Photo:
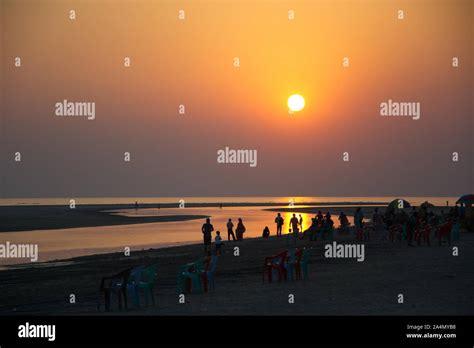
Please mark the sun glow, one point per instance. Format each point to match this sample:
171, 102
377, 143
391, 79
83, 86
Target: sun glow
296, 102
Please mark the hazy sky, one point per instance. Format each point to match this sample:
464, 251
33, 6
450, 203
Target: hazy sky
190, 62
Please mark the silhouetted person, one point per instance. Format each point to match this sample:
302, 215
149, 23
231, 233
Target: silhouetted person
207, 229
218, 243
294, 224
300, 222
279, 222
136, 205
266, 232
230, 230
358, 218
240, 230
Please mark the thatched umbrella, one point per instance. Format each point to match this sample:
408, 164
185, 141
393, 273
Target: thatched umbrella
427, 205
398, 204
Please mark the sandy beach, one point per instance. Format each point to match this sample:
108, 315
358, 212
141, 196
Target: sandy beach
432, 280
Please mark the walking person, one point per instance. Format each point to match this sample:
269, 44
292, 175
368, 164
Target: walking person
279, 222
300, 222
358, 218
230, 230
207, 229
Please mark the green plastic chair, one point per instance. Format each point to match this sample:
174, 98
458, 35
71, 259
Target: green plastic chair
147, 282
192, 271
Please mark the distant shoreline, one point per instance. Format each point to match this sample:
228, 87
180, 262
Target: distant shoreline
51, 217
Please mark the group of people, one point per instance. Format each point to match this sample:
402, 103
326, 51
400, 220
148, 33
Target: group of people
324, 224
207, 229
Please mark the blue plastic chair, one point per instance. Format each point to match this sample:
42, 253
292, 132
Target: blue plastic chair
133, 284
291, 261
211, 282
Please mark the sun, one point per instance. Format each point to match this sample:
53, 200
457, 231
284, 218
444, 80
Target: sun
295, 102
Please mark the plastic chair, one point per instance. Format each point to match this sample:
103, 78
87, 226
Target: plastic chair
132, 284
208, 273
292, 259
445, 231
275, 264
192, 273
115, 284
147, 282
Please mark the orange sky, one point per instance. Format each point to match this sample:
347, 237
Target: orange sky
190, 62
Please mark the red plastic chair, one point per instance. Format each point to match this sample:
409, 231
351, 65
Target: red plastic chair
445, 231
275, 263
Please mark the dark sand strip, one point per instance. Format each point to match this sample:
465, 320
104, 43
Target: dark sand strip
432, 280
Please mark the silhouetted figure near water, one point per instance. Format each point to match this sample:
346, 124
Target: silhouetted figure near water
266, 232
358, 218
207, 229
279, 222
294, 223
230, 230
136, 205
240, 230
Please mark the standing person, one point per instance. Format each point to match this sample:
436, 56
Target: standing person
300, 222
218, 242
240, 230
230, 230
358, 218
294, 224
279, 222
320, 216
207, 229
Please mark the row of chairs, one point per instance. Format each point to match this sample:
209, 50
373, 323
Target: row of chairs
447, 231
197, 277
287, 265
128, 284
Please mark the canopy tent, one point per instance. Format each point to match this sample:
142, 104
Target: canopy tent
467, 200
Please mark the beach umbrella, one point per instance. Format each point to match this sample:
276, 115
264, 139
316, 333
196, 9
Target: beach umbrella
466, 199
426, 205
395, 204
